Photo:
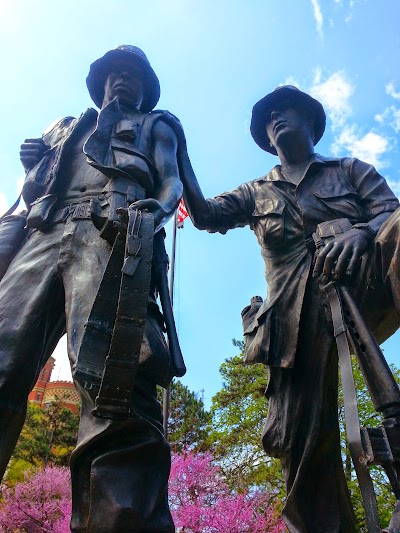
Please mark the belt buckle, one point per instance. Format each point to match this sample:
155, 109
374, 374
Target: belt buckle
80, 211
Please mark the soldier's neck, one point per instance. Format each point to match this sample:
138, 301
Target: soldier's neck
294, 150
125, 108
294, 169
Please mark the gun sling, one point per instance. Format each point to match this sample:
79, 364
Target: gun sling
110, 348
353, 430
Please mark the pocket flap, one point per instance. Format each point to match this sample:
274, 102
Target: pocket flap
268, 206
334, 190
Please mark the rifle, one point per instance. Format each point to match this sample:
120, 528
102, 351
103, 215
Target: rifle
160, 263
368, 446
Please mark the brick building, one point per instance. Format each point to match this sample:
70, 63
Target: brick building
45, 391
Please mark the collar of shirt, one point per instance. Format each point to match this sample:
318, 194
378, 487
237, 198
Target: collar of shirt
276, 173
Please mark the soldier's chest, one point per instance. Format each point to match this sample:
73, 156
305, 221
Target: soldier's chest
285, 214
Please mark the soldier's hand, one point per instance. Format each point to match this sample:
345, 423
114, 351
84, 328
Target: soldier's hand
150, 204
153, 206
341, 256
31, 153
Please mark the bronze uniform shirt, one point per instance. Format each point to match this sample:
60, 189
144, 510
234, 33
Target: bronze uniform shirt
282, 216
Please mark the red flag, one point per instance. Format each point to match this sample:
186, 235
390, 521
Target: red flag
182, 214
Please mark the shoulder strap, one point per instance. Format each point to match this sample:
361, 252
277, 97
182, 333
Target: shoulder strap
12, 208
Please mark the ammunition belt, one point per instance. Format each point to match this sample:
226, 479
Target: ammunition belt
71, 211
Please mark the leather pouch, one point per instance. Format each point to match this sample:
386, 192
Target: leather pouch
119, 192
13, 232
41, 211
326, 231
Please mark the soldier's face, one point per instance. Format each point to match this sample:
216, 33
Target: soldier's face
125, 82
286, 123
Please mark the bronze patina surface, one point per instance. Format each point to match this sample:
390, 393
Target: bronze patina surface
86, 269
292, 330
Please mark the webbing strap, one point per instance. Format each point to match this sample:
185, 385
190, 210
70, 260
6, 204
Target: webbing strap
11, 210
353, 430
109, 353
96, 340
114, 397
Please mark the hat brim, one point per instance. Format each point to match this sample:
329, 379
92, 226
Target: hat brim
263, 108
100, 69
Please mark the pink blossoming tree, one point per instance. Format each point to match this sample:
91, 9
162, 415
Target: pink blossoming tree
202, 503
41, 503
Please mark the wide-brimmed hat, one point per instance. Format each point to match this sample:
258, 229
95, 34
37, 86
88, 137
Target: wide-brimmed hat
263, 108
100, 69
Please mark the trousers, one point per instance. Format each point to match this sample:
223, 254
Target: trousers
302, 427
119, 469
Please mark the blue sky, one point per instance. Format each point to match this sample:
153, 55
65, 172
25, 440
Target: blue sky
214, 59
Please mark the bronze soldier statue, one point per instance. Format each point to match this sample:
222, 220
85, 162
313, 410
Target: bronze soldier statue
76, 273
292, 331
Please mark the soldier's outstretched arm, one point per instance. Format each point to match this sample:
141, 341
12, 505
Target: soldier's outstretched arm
197, 206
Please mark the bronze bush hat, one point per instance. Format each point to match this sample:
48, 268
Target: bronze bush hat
298, 99
100, 69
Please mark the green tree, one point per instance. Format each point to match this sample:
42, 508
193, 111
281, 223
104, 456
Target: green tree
238, 414
48, 437
188, 419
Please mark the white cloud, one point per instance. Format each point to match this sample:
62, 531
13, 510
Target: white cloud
334, 94
349, 17
390, 117
390, 90
319, 19
369, 147
396, 120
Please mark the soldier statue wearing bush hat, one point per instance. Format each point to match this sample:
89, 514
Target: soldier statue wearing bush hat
319, 221
99, 189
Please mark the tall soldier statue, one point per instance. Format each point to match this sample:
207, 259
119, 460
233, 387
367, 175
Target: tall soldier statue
86, 271
291, 331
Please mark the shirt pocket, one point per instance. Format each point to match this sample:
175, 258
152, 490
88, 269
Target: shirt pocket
339, 200
269, 220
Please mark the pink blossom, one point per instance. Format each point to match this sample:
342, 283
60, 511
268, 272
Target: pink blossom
199, 498
202, 503
41, 503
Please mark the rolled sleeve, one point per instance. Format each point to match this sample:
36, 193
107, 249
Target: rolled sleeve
375, 194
